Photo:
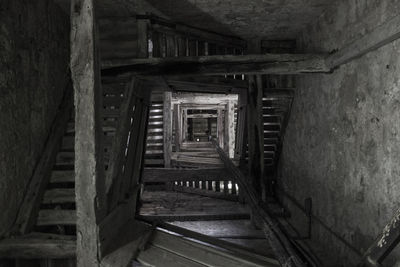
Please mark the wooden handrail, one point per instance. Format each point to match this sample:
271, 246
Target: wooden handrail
283, 250
27, 213
384, 244
122, 177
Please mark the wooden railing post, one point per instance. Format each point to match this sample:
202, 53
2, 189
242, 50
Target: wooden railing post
89, 165
167, 124
282, 247
255, 134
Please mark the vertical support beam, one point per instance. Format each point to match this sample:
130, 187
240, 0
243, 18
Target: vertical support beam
240, 141
167, 123
231, 129
89, 166
220, 127
177, 128
184, 125
143, 38
255, 133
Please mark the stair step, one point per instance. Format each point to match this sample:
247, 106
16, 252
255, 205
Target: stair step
66, 176
59, 195
38, 245
56, 217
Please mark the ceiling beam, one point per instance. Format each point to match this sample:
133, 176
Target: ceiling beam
220, 65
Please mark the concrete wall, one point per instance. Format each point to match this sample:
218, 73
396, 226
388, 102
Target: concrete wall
342, 144
34, 62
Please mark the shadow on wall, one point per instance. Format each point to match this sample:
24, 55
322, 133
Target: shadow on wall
184, 12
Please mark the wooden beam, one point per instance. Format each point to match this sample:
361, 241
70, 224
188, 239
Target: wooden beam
164, 25
203, 254
171, 175
380, 36
89, 166
220, 65
384, 244
38, 245
30, 207
240, 142
240, 251
167, 124
282, 247
255, 133
205, 193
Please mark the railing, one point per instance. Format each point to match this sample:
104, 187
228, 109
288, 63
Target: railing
282, 247
122, 181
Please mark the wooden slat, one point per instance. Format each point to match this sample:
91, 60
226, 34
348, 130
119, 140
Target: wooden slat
38, 245
204, 254
56, 217
221, 65
59, 195
41, 176
206, 193
255, 134
169, 175
62, 177
283, 249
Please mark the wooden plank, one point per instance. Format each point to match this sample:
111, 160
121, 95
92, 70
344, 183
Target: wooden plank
171, 175
114, 176
380, 36
167, 131
62, 177
240, 141
155, 256
89, 167
59, 195
204, 253
206, 193
164, 25
255, 134
220, 65
384, 244
283, 249
42, 173
127, 242
239, 250
110, 226
56, 217
34, 246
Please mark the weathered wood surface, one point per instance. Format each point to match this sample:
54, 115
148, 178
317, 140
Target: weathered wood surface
283, 249
110, 226
221, 65
41, 176
56, 217
384, 244
202, 253
205, 193
38, 245
255, 134
183, 206
167, 133
172, 175
89, 166
189, 32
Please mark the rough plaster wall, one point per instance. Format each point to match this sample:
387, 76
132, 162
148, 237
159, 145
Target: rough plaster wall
34, 58
342, 145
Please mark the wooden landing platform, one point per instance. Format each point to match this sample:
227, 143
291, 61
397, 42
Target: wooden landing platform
177, 206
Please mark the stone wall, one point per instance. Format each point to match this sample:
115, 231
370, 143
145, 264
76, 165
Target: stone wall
342, 144
34, 63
